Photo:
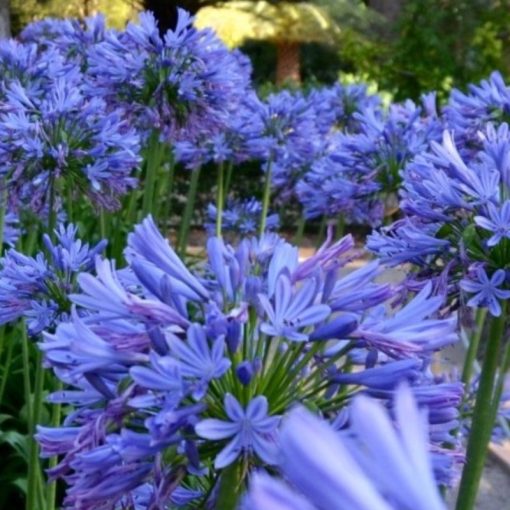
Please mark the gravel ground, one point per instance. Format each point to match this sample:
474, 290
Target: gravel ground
494, 491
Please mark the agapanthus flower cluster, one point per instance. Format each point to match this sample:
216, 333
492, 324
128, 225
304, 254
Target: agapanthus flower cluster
178, 378
326, 467
240, 138
240, 217
26, 64
337, 105
64, 142
468, 113
182, 84
37, 288
359, 170
288, 139
71, 38
458, 220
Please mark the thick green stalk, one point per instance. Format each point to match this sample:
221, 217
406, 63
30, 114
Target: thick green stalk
166, 184
500, 384
102, 223
34, 473
188, 211
474, 342
6, 367
322, 230
154, 154
228, 178
3, 208
298, 238
25, 353
25, 348
483, 417
51, 490
340, 226
265, 199
166, 195
230, 487
220, 199
52, 218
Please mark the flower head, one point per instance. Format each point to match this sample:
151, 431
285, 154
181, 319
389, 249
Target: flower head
251, 429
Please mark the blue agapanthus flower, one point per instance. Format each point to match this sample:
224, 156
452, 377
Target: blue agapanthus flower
469, 112
251, 429
358, 170
497, 222
325, 467
240, 217
64, 139
458, 215
486, 290
183, 84
185, 375
71, 38
37, 288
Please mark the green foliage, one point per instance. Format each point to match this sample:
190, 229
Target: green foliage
438, 44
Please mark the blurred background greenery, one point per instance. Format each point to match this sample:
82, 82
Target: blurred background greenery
406, 47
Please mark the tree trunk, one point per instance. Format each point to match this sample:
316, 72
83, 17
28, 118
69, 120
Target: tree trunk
288, 62
5, 19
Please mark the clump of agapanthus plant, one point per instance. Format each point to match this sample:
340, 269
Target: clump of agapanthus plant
181, 87
62, 145
70, 37
337, 105
25, 63
240, 218
359, 171
181, 83
457, 212
178, 380
290, 138
457, 203
37, 288
468, 113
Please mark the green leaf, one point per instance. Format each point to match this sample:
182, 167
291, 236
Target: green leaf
17, 441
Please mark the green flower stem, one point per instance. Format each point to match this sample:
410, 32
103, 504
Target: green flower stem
30, 240
25, 353
298, 238
166, 184
154, 156
483, 417
500, 384
166, 194
70, 209
25, 347
265, 199
340, 226
230, 487
188, 211
102, 224
322, 230
52, 218
474, 342
51, 490
6, 367
34, 472
3, 208
228, 178
220, 199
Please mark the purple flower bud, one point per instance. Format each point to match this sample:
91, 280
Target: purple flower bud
244, 372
